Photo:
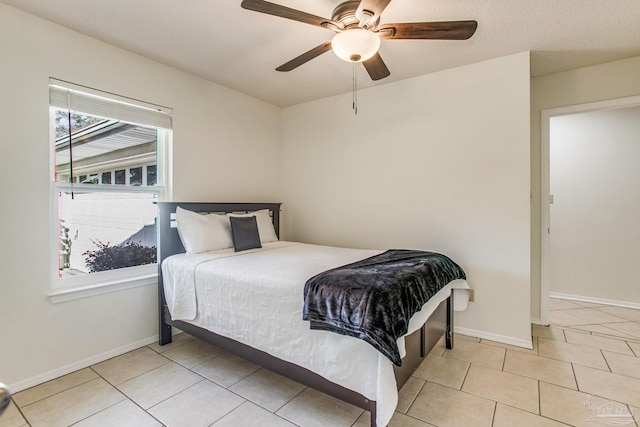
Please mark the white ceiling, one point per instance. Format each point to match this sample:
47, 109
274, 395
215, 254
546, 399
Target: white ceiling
221, 42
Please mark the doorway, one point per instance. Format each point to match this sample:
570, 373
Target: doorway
596, 191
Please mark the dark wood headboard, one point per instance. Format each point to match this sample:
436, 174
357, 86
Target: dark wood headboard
169, 241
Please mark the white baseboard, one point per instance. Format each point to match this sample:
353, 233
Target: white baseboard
81, 364
494, 337
616, 303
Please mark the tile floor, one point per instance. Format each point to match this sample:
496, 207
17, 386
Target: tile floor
584, 370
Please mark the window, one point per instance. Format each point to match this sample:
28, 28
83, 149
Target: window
151, 174
120, 176
108, 168
135, 176
106, 178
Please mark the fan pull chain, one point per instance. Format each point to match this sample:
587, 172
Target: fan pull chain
355, 90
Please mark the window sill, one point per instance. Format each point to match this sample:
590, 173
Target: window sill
77, 292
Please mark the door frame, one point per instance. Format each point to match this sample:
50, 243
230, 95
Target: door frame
545, 184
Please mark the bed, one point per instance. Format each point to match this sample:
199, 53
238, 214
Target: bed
189, 285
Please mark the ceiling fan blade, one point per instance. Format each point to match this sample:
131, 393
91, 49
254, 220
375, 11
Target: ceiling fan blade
376, 67
375, 7
450, 30
283, 12
305, 57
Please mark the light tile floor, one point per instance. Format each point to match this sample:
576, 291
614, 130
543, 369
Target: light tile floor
584, 370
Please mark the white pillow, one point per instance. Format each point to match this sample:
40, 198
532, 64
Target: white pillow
265, 225
202, 233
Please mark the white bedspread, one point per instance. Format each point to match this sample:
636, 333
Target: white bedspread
256, 297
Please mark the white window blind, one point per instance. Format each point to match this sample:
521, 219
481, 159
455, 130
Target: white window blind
90, 101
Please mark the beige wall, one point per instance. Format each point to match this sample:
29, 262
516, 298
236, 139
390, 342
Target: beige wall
608, 81
226, 147
438, 162
595, 217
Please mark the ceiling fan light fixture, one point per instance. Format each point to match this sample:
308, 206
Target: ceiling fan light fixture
355, 44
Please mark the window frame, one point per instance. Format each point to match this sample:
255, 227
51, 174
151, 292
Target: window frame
87, 285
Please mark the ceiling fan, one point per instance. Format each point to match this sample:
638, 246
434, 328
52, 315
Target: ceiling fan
357, 24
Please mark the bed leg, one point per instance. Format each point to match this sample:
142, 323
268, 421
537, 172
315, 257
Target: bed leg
165, 334
372, 409
164, 330
449, 332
